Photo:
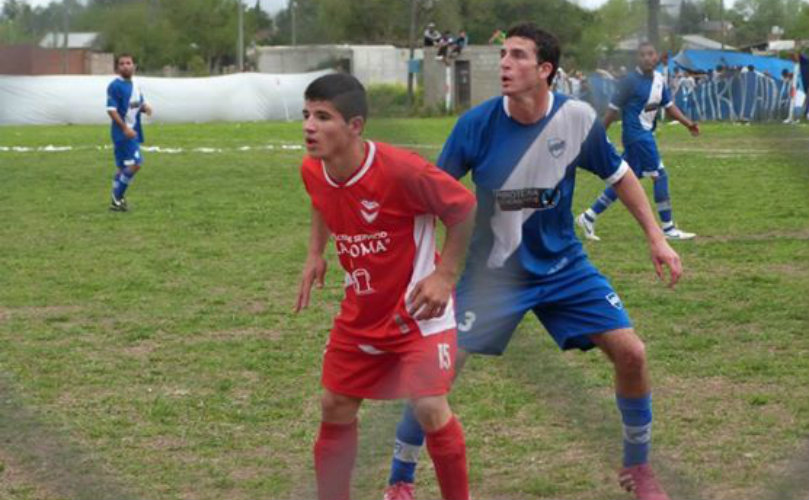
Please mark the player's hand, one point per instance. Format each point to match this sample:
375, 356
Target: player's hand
430, 296
130, 133
665, 256
694, 129
146, 109
314, 271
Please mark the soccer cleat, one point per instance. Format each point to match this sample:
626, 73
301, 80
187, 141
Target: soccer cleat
641, 480
588, 226
118, 204
675, 234
399, 491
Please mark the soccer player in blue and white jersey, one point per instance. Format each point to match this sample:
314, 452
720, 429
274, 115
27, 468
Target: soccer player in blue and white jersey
522, 149
639, 98
125, 102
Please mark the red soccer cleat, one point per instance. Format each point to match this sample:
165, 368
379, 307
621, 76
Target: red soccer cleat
641, 480
399, 491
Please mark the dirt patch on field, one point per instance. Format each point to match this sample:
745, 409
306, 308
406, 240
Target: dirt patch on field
17, 483
730, 435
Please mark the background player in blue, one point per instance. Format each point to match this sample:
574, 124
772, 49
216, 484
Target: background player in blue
640, 96
523, 149
125, 102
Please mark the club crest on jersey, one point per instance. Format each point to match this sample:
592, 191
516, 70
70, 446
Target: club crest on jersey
556, 146
614, 300
369, 210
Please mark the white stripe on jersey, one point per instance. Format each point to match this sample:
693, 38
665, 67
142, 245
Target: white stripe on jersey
423, 265
538, 168
132, 112
647, 118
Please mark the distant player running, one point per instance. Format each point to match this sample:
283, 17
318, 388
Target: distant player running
640, 96
395, 335
125, 102
522, 149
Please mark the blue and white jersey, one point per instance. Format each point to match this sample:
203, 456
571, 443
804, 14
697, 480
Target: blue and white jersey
524, 177
639, 97
125, 97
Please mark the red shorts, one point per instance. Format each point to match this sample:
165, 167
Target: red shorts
413, 368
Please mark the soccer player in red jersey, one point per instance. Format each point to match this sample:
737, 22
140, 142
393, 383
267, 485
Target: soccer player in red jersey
395, 334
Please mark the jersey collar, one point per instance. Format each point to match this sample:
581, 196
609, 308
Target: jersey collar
369, 159
548, 112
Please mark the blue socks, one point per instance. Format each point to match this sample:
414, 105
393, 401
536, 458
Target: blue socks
120, 182
602, 203
409, 440
636, 414
662, 199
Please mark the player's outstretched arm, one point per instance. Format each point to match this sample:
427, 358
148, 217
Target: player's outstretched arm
632, 195
430, 296
610, 116
674, 112
314, 269
146, 108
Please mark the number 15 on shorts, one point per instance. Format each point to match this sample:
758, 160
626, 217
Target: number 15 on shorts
444, 358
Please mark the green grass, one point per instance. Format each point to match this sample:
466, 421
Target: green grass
154, 354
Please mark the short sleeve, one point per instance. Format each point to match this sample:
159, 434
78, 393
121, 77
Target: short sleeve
622, 95
598, 155
430, 190
454, 157
112, 97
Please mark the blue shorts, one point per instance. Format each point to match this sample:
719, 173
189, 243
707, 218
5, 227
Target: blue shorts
643, 158
127, 153
572, 304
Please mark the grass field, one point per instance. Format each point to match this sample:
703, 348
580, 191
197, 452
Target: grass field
153, 354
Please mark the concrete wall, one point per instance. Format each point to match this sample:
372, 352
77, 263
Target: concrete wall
371, 64
99, 63
484, 63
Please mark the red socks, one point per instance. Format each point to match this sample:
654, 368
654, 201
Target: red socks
335, 451
447, 448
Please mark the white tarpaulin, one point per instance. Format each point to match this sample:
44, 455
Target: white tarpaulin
80, 99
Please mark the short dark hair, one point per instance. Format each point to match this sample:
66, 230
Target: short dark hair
121, 56
548, 49
646, 43
344, 91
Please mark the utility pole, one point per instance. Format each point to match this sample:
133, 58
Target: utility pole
722, 23
240, 39
65, 30
293, 6
653, 27
414, 6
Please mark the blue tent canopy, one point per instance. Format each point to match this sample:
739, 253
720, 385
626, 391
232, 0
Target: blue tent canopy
704, 60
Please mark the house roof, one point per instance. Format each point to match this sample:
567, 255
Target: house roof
698, 42
75, 40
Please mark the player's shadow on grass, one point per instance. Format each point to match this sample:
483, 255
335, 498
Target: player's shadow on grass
49, 458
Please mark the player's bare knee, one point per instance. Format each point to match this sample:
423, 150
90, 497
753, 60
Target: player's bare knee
631, 357
337, 408
432, 412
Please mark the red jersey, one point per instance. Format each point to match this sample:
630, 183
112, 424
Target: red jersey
383, 223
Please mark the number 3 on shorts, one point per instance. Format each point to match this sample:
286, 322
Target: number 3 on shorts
444, 359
